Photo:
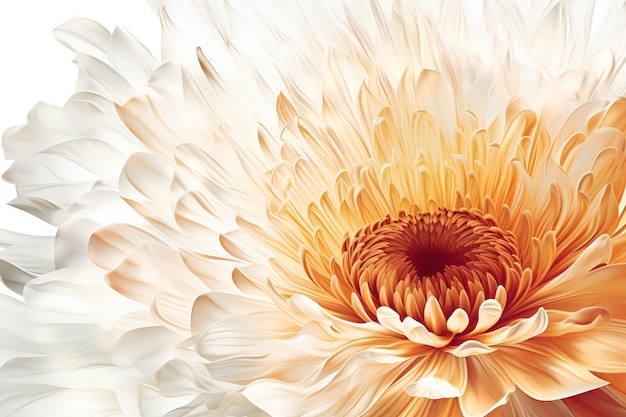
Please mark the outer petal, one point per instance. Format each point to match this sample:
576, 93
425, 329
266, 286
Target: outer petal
607, 401
340, 395
66, 366
480, 398
61, 154
439, 375
19, 263
520, 404
605, 341
544, 375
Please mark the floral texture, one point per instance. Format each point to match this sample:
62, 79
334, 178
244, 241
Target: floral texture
326, 209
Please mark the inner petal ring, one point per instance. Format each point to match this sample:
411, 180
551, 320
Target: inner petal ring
460, 257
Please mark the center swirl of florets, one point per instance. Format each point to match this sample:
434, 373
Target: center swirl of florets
458, 256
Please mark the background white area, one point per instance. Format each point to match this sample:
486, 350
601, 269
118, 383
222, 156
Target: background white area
35, 67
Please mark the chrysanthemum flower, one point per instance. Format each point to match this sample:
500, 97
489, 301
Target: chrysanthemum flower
327, 209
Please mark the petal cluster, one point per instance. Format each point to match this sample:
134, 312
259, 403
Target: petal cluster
384, 208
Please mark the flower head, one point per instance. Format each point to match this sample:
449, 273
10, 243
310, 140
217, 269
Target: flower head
364, 209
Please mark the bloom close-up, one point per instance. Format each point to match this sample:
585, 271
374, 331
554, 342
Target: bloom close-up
325, 208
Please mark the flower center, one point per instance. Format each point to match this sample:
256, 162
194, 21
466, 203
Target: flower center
458, 256
431, 258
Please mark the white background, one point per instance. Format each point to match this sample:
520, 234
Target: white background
35, 67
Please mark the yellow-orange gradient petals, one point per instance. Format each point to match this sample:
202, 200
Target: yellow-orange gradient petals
430, 263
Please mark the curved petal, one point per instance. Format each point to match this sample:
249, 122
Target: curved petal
342, 393
440, 375
520, 404
480, 398
544, 376
606, 401
606, 343
522, 330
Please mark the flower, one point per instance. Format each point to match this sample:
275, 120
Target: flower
327, 209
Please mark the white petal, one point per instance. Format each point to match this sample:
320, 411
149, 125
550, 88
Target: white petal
25, 259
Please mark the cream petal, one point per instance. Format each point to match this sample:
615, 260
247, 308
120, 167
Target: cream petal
600, 287
545, 376
131, 58
312, 348
122, 248
441, 376
214, 271
325, 397
73, 33
65, 368
432, 388
26, 258
153, 403
520, 404
519, 332
389, 319
73, 290
23, 141
107, 53
83, 152
189, 391
251, 279
395, 402
51, 401
471, 348
51, 332
109, 247
168, 286
196, 216
606, 343
585, 319
489, 313
458, 321
597, 253
60, 146
418, 333
178, 377
244, 334
479, 397
146, 178
214, 307
145, 117
241, 246
307, 310
129, 351
93, 210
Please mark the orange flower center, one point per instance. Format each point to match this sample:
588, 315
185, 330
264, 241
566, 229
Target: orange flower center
458, 256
